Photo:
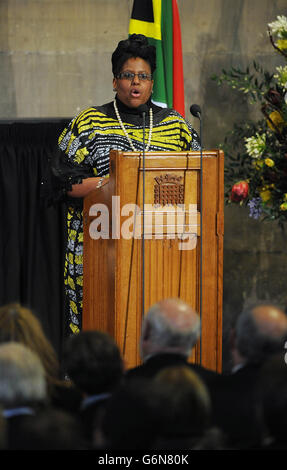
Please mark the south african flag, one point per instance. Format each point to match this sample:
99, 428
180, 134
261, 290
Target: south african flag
159, 21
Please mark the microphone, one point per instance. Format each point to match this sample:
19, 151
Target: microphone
195, 110
143, 109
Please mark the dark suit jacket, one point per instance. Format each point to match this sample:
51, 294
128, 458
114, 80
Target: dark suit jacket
235, 400
159, 362
90, 418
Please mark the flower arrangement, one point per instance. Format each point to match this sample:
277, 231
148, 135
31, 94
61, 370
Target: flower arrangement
256, 152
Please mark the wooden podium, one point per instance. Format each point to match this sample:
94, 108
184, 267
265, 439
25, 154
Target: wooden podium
182, 251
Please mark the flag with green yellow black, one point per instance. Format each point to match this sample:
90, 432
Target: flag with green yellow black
159, 21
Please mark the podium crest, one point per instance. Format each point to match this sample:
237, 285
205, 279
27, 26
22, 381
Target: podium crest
168, 189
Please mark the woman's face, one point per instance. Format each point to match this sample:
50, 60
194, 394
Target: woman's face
134, 92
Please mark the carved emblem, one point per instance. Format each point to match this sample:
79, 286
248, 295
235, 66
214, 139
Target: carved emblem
168, 189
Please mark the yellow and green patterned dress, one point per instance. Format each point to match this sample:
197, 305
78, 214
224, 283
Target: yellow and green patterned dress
85, 146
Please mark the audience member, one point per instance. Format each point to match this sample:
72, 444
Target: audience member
22, 378
23, 389
93, 362
51, 429
184, 405
260, 332
171, 328
166, 403
3, 433
19, 324
170, 411
272, 398
131, 421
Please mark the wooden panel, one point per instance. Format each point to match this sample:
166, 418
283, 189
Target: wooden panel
115, 303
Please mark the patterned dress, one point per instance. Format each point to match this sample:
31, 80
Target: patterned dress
85, 146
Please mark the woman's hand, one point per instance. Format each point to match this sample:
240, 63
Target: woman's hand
86, 186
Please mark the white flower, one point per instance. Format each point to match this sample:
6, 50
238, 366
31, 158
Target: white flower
281, 76
279, 27
255, 145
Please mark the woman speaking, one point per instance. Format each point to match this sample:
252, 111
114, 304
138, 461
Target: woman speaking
88, 139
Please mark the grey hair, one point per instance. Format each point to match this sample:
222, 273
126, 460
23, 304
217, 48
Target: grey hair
252, 344
165, 334
22, 376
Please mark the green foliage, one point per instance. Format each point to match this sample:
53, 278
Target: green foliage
254, 81
256, 152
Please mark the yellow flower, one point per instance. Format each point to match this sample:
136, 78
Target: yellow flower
265, 195
281, 44
285, 197
269, 162
258, 164
277, 120
283, 206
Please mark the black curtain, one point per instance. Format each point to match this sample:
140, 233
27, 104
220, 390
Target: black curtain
32, 234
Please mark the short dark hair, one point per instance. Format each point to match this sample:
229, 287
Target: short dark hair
136, 45
93, 361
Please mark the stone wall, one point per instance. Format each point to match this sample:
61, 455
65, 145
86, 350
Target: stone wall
55, 60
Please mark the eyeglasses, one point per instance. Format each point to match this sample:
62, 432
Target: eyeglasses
130, 76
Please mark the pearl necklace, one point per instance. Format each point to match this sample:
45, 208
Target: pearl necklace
126, 133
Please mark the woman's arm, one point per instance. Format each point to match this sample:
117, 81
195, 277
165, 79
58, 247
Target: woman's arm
86, 186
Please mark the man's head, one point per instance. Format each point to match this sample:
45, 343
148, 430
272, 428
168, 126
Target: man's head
261, 330
171, 325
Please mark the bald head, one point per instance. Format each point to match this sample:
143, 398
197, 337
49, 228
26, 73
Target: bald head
171, 325
260, 331
270, 320
177, 313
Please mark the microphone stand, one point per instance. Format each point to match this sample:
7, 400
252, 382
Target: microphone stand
143, 222
201, 218
196, 112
